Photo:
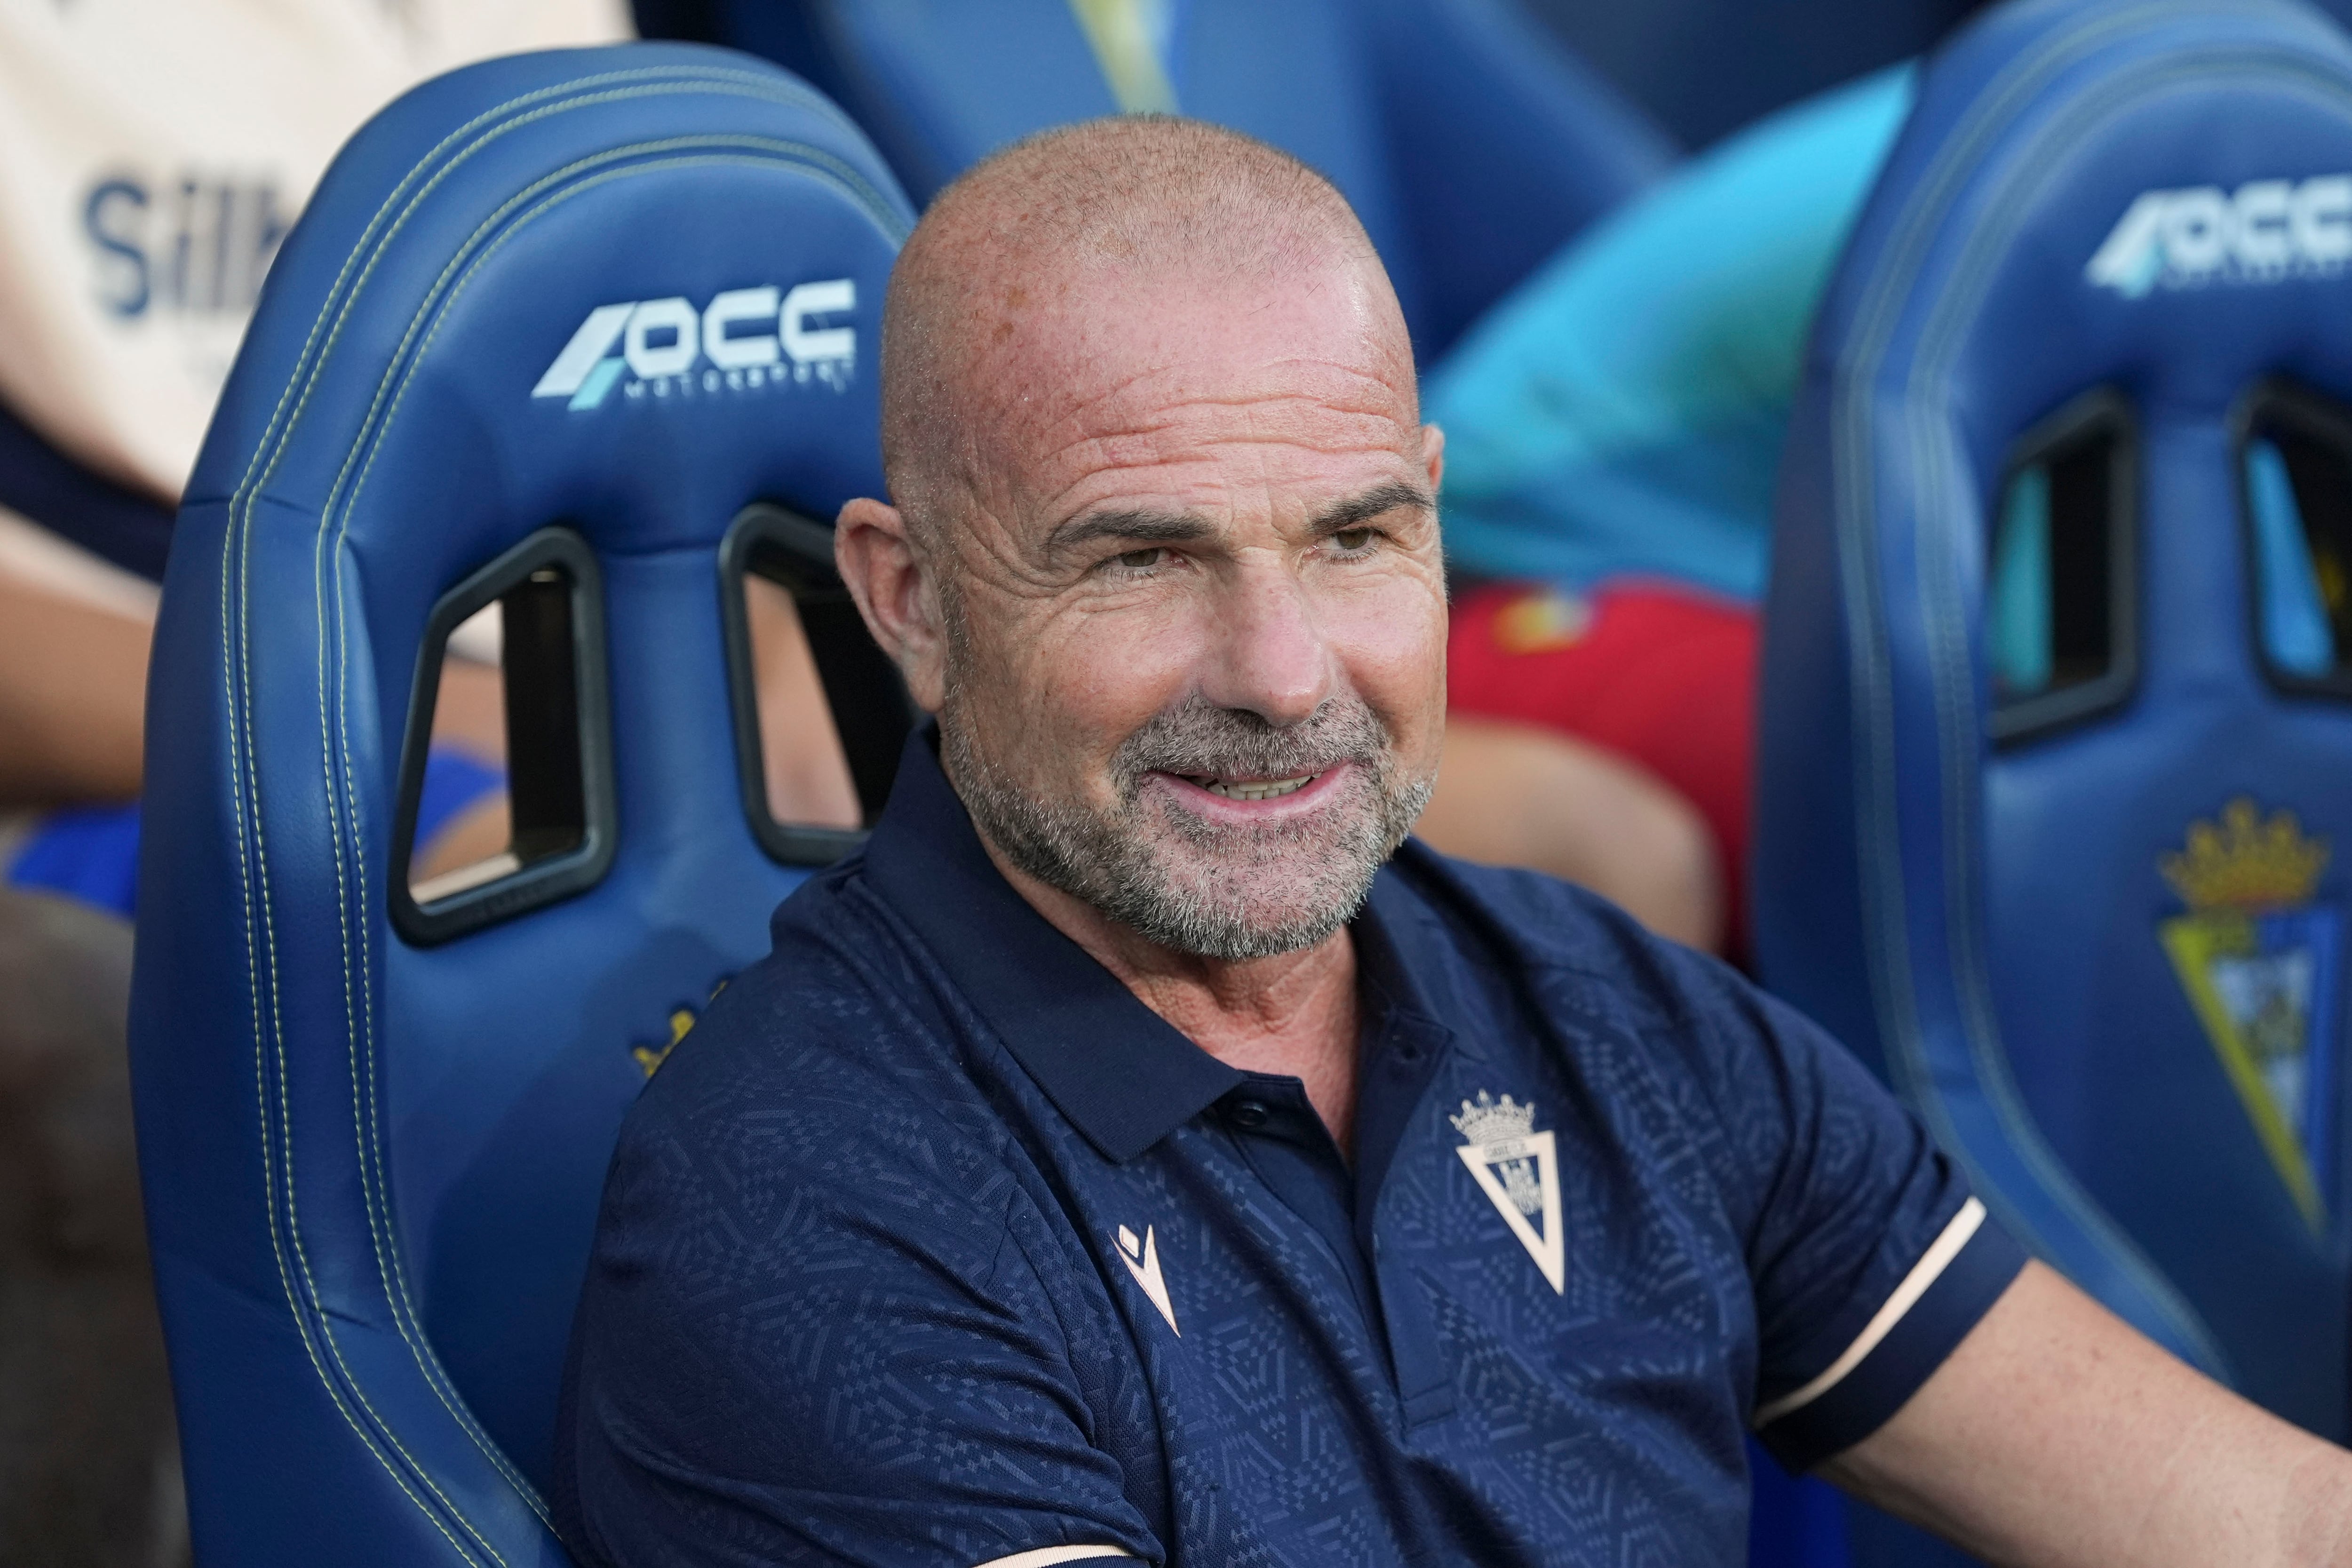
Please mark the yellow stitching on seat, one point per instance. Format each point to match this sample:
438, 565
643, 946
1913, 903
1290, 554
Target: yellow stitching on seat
793, 149
372, 1160
403, 1312
386, 1247
293, 1234
305, 367
437, 310
238, 775
241, 513
242, 711
667, 77
241, 774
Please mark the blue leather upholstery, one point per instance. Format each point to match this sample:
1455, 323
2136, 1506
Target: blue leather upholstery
1470, 143
1988, 925
371, 1168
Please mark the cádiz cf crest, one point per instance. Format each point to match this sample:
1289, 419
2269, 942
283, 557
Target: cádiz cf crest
2260, 961
1519, 1170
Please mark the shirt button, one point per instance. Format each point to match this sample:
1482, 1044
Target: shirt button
1249, 1115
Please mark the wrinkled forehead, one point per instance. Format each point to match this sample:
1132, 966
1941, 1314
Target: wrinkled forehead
1127, 367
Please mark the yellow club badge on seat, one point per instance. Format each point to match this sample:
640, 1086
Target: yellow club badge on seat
2259, 960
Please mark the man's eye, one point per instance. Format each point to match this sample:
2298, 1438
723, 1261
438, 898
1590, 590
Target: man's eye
1354, 541
1141, 560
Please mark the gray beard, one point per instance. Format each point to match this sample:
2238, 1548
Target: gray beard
1119, 862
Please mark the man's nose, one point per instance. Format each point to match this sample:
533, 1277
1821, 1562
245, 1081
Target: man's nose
1270, 656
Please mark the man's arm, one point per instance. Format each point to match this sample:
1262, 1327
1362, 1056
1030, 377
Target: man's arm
2056, 1434
1512, 795
73, 682
73, 701
813, 1329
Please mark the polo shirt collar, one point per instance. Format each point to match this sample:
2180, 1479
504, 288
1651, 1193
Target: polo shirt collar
1121, 1073
1124, 1076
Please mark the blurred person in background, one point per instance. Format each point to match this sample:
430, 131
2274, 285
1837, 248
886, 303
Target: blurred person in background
151, 158
153, 155
1614, 432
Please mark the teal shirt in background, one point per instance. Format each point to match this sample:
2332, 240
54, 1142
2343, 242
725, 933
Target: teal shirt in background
1620, 413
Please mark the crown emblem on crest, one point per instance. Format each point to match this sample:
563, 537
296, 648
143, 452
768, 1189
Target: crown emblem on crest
1490, 1120
2245, 863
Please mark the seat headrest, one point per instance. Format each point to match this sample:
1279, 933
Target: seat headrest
582, 300
2156, 196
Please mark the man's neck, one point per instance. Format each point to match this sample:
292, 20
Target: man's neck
1294, 1014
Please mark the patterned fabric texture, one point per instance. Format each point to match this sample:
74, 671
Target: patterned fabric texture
932, 1245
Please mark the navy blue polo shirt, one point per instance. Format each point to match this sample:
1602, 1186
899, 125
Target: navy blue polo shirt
932, 1248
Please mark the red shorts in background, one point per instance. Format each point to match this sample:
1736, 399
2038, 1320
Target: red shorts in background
1660, 674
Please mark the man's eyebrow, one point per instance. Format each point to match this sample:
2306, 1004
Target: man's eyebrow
1357, 511
1139, 527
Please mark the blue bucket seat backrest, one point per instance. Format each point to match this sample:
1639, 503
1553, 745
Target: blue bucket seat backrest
560, 316
1470, 143
2054, 820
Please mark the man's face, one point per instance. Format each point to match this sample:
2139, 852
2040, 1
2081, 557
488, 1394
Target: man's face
1195, 603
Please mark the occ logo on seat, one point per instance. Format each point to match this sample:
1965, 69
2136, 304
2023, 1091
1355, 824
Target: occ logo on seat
2263, 231
743, 340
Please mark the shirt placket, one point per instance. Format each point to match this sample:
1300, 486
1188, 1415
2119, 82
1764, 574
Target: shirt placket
1285, 1143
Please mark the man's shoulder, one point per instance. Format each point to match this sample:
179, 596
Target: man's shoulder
1527, 919
1568, 946
1653, 1026
840, 1032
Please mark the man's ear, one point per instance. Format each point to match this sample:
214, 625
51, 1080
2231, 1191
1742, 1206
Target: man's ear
1432, 453
888, 575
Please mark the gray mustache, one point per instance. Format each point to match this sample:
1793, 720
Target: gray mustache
1199, 737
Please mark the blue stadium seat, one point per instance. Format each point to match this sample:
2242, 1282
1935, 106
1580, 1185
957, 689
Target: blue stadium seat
2056, 793
1470, 142
557, 318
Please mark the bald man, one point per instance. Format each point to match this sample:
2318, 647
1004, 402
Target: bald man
1144, 1152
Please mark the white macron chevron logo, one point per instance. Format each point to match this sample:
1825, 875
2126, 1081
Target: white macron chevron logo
1142, 1261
